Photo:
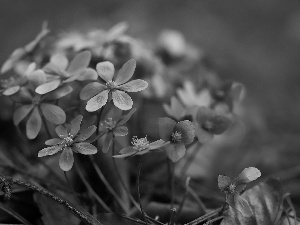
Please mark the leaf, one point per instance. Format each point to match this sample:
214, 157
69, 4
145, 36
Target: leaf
54, 114
125, 118
54, 213
85, 134
11, 90
120, 131
247, 175
122, 100
21, 113
54, 141
105, 70
126, 72
59, 92
175, 151
264, 199
49, 150
134, 86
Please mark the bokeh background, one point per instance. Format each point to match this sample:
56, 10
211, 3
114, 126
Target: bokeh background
255, 42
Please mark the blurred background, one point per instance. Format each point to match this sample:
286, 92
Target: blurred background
255, 42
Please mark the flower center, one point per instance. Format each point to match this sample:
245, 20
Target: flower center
176, 136
139, 143
36, 100
109, 123
68, 140
111, 85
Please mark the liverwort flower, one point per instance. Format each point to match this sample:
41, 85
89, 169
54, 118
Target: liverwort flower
115, 87
233, 189
21, 53
140, 146
176, 110
208, 123
177, 134
60, 71
35, 105
113, 125
71, 139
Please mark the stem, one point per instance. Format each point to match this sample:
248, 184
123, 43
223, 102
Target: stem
91, 190
71, 187
121, 179
190, 159
138, 187
214, 220
172, 185
107, 184
173, 216
81, 215
197, 199
204, 217
184, 197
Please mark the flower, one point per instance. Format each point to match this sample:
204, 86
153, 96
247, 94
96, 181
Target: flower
233, 189
60, 71
22, 52
208, 123
140, 146
113, 125
35, 105
178, 134
176, 110
71, 139
115, 87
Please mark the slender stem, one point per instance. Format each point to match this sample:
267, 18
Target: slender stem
190, 159
196, 197
173, 216
84, 216
121, 179
107, 184
91, 190
172, 184
204, 217
183, 198
138, 187
71, 187
214, 220
14, 214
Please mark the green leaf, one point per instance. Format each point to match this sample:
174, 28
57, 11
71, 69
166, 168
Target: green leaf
21, 113
47, 87
85, 148
75, 125
54, 213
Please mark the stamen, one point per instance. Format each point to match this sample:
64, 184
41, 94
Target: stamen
109, 123
139, 143
176, 136
111, 84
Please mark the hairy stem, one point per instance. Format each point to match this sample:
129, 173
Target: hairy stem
138, 187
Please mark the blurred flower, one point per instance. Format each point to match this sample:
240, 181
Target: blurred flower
178, 134
113, 125
22, 52
140, 146
208, 123
36, 105
115, 88
60, 71
176, 110
71, 139
233, 189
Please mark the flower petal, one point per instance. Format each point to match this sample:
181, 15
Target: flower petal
91, 89
107, 142
165, 127
223, 182
75, 125
37, 77
176, 109
105, 70
126, 72
86, 133
47, 87
34, 124
203, 135
60, 61
203, 114
66, 159
116, 31
61, 131
11, 90
247, 175
85, 148
125, 118
120, 131
239, 204
73, 76
54, 141
128, 149
49, 151
54, 114
220, 124
59, 92
97, 101
21, 113
122, 100
87, 74
157, 144
80, 61
134, 86
187, 130
175, 151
